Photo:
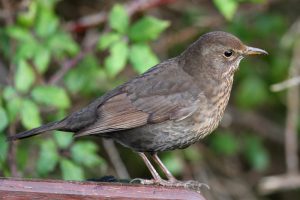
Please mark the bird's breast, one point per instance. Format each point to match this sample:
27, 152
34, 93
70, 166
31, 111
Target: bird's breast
208, 116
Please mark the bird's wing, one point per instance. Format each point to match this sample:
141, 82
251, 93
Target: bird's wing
151, 98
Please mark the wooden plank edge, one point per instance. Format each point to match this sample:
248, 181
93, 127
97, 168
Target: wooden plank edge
11, 188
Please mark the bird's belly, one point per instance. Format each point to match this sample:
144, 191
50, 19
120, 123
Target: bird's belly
165, 136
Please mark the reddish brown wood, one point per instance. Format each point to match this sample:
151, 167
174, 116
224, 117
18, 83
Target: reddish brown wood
22, 189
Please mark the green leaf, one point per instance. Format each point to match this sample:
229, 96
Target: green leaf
51, 96
50, 4
225, 143
9, 93
3, 119
5, 44
26, 50
30, 114
148, 28
63, 139
106, 40
252, 92
256, 153
19, 33
41, 60
46, 22
13, 102
142, 57
3, 148
85, 152
13, 108
70, 170
59, 48
227, 7
24, 77
27, 18
86, 77
48, 157
116, 61
118, 18
252, 1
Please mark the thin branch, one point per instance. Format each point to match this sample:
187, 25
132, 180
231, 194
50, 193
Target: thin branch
285, 84
12, 148
96, 19
291, 180
7, 12
273, 184
3, 73
291, 35
291, 142
12, 152
66, 66
3, 13
9, 20
115, 159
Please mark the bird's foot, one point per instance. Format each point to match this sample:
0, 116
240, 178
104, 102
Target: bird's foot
191, 184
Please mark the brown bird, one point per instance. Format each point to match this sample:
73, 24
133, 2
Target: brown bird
172, 105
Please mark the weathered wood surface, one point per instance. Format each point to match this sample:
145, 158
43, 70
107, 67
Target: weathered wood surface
21, 189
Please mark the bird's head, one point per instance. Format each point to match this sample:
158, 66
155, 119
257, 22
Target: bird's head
217, 53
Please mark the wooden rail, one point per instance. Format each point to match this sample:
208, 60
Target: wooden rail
21, 189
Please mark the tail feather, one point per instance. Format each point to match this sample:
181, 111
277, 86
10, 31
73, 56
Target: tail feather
47, 127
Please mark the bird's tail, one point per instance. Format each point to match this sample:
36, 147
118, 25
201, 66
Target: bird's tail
47, 127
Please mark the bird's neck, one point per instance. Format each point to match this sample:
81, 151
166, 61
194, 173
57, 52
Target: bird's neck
215, 87
217, 93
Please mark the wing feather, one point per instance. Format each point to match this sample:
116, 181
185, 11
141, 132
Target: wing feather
116, 114
153, 97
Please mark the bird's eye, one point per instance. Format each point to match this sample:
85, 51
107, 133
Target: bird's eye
228, 53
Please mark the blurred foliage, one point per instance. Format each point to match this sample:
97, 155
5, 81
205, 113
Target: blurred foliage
249, 147
229, 7
128, 42
255, 153
40, 43
225, 143
37, 47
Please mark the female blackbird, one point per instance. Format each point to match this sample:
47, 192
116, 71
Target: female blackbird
172, 105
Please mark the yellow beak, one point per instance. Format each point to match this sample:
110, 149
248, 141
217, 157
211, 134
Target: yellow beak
254, 51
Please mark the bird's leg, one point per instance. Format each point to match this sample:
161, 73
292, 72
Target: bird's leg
172, 182
156, 176
163, 168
